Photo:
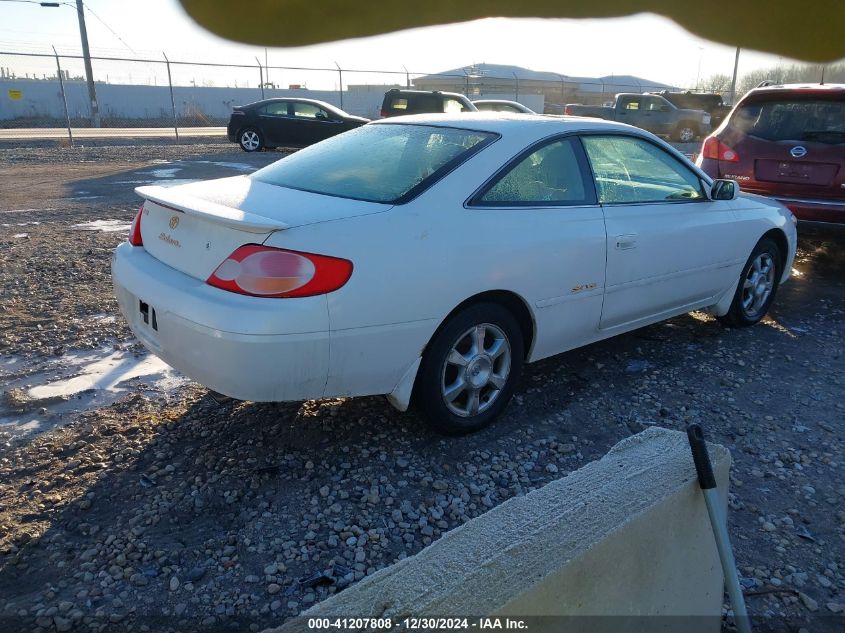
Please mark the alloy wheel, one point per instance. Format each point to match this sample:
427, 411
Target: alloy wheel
758, 284
476, 370
250, 140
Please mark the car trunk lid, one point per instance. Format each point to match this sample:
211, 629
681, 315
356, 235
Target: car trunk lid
195, 227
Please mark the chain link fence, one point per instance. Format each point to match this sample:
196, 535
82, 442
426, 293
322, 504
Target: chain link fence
43, 94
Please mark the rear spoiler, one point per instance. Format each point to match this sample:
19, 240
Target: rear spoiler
209, 211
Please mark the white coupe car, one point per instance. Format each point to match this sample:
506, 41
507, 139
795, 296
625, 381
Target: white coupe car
430, 256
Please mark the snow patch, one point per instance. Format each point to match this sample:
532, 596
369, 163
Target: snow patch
46, 396
106, 226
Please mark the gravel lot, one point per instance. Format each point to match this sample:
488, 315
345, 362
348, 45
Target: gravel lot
155, 508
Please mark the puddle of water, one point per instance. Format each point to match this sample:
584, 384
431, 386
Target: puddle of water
78, 382
106, 226
165, 173
235, 166
174, 182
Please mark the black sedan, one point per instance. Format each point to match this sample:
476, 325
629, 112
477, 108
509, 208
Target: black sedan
287, 123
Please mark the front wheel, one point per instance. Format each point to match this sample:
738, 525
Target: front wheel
757, 287
470, 369
250, 140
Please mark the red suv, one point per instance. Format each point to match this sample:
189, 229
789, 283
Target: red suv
787, 142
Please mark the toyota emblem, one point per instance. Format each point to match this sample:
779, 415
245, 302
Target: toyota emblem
174, 222
798, 151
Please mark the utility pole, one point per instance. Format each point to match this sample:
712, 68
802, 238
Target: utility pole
733, 81
89, 73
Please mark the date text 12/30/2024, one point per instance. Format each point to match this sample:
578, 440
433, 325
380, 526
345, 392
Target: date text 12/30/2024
417, 624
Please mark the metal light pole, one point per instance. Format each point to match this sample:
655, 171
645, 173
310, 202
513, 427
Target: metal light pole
89, 73
733, 81
698, 72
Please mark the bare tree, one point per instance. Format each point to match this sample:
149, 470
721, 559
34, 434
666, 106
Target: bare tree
796, 73
718, 82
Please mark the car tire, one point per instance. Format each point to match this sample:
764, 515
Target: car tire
686, 132
757, 286
250, 139
463, 385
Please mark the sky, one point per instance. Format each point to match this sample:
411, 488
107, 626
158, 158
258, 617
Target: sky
645, 45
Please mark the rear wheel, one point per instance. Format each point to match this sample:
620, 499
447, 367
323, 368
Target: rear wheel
757, 287
470, 369
250, 140
685, 132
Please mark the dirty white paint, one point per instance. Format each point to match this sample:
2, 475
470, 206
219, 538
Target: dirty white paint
20, 235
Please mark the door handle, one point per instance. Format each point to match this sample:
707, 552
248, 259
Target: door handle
626, 242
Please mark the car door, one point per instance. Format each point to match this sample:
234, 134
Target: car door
312, 124
630, 110
669, 247
550, 233
274, 121
654, 118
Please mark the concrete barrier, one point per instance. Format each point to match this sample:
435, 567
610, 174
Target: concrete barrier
627, 535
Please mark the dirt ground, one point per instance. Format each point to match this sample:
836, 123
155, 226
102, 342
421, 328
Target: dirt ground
155, 508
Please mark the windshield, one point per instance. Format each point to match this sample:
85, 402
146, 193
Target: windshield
804, 120
378, 163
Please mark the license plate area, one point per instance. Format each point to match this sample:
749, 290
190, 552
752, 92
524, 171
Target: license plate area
148, 315
804, 173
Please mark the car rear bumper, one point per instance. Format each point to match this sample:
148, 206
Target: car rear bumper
248, 348
815, 210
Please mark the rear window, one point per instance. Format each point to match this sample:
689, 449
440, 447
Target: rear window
388, 163
793, 120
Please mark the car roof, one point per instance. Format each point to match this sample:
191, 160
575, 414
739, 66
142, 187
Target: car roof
315, 102
535, 126
425, 92
800, 88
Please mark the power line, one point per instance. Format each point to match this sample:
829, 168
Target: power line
113, 32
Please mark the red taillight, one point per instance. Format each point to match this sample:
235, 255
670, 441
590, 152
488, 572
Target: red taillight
714, 149
567, 111
383, 113
135, 230
262, 271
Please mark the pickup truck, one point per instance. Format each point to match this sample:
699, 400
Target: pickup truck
650, 112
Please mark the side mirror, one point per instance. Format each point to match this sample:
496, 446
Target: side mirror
723, 189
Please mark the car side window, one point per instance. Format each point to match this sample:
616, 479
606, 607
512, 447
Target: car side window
629, 170
276, 109
309, 111
631, 103
550, 176
653, 104
452, 105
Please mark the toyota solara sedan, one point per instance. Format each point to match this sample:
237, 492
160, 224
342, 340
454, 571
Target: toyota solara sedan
429, 257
